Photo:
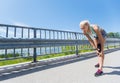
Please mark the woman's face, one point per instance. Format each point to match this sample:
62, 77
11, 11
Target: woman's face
84, 28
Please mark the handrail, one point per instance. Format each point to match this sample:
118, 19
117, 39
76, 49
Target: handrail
47, 41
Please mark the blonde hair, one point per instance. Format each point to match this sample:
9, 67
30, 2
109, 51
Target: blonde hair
84, 22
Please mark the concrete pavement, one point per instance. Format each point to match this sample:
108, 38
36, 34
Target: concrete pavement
75, 71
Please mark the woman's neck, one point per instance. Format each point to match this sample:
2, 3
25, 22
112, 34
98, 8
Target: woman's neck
89, 31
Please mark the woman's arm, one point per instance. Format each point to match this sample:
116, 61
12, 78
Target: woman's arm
91, 41
96, 28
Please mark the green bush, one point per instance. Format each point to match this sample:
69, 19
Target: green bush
9, 55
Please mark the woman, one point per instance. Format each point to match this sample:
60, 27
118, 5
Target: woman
96, 37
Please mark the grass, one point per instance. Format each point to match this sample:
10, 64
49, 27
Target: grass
14, 61
20, 60
9, 55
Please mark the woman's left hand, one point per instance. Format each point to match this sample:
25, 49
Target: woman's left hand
101, 53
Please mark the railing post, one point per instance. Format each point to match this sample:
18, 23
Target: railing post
14, 55
76, 44
22, 33
21, 52
34, 49
114, 44
28, 33
119, 42
107, 45
7, 31
28, 52
5, 53
15, 32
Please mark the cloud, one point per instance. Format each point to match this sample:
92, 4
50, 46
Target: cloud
19, 24
18, 31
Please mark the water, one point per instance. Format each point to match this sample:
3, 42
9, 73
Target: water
40, 51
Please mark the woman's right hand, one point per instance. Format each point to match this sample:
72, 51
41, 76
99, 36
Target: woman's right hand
97, 52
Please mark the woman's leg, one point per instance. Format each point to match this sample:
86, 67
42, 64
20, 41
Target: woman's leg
96, 42
101, 59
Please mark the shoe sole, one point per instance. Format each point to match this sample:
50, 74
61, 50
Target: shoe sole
96, 66
98, 75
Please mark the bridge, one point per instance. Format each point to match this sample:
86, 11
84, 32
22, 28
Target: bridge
76, 67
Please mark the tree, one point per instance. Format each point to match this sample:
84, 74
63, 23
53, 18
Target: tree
114, 34
110, 34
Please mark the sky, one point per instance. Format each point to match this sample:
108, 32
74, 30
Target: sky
61, 14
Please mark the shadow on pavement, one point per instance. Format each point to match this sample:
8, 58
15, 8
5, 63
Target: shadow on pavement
111, 67
115, 72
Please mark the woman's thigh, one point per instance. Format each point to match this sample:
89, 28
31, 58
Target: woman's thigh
96, 41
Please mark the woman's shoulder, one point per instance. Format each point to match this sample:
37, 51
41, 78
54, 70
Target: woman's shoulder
95, 26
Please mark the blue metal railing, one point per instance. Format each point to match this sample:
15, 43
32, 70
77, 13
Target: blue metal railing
30, 41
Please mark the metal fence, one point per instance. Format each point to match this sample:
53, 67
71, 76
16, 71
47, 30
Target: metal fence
33, 42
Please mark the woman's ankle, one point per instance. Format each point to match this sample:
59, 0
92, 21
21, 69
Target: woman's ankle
100, 69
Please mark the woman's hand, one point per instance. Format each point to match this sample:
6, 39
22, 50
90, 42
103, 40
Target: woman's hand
99, 53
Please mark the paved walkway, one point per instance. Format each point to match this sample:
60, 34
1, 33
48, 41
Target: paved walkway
77, 71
